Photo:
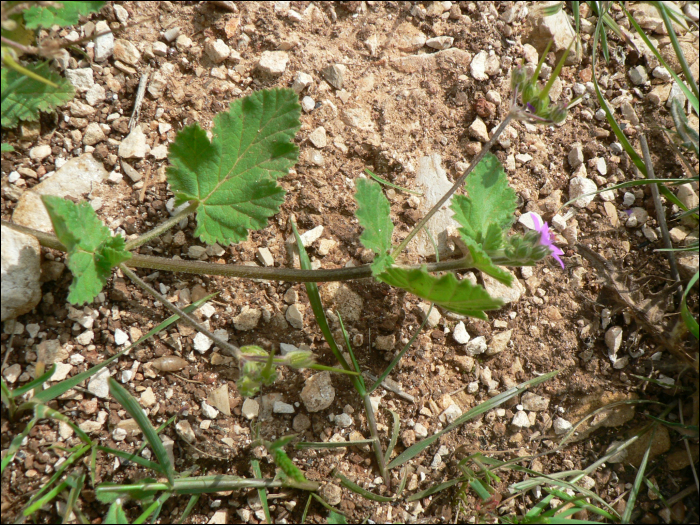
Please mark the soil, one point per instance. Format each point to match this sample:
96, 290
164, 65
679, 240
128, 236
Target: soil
556, 324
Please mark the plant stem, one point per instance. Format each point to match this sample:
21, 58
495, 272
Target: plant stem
378, 452
251, 272
161, 228
233, 350
458, 183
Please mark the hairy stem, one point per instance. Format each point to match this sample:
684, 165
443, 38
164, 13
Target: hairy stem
250, 272
233, 350
458, 183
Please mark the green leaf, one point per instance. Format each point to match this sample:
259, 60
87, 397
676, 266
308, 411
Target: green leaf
373, 213
483, 262
462, 297
92, 251
62, 13
490, 201
24, 97
336, 519
233, 177
7, 147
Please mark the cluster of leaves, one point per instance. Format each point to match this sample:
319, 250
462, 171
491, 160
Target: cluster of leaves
28, 89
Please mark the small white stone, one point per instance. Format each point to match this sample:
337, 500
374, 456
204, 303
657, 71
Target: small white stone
440, 42
295, 317
250, 408
637, 217
561, 426
98, 384
85, 338
209, 411
217, 50
529, 220
628, 199
520, 420
309, 237
120, 337
280, 407
318, 137
460, 334
12, 373
202, 343
613, 339
39, 153
476, 346
273, 62
301, 81
343, 420
308, 104
580, 186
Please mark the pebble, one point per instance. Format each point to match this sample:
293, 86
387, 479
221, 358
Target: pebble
420, 431
98, 384
93, 134
600, 115
675, 93
331, 493
534, 403
160, 152
409, 38
183, 42
662, 73
148, 398
250, 408
12, 373
343, 420
450, 414
650, 234
104, 44
310, 236
638, 75
477, 68
301, 423
687, 196
628, 199
280, 407
126, 52
460, 334
295, 317
613, 340
476, 346
301, 81
134, 146
580, 186
520, 420
21, 272
637, 217
318, 137
39, 153
440, 42
497, 289
171, 34
334, 75
85, 338
202, 343
499, 342
576, 156
318, 392
184, 429
273, 62
81, 79
561, 426
209, 411
247, 319
308, 104
264, 255
433, 318
528, 219
478, 130
523, 158
217, 51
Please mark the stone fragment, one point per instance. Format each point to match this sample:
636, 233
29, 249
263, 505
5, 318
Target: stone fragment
301, 81
450, 414
449, 60
126, 52
202, 343
93, 134
209, 411
247, 319
98, 384
637, 217
295, 316
579, 186
478, 130
477, 68
148, 398
104, 44
495, 288
440, 42
219, 399
318, 392
409, 38
311, 236
134, 146
331, 493
499, 342
334, 75
555, 28
638, 75
343, 299
39, 153
433, 318
250, 408
318, 137
613, 340
12, 373
273, 62
343, 420
520, 420
534, 403
460, 334
561, 426
385, 342
264, 255
217, 50
81, 79
21, 273
280, 407
171, 34
476, 346
185, 431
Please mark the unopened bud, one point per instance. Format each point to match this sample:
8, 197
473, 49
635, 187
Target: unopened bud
300, 359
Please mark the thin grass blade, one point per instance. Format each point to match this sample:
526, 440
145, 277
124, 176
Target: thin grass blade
391, 184
262, 493
351, 485
434, 489
18, 392
396, 427
16, 443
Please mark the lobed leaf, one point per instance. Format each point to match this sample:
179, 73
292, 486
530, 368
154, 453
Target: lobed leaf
24, 97
92, 251
373, 213
490, 201
482, 261
60, 13
233, 177
462, 297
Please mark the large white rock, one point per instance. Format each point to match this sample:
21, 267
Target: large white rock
21, 270
76, 178
580, 186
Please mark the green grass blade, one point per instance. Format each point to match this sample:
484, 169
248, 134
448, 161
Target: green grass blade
133, 458
16, 443
634, 491
434, 489
628, 184
688, 318
351, 485
46, 499
42, 411
419, 447
134, 409
306, 508
391, 184
188, 508
262, 493
18, 392
116, 514
75, 491
325, 504
7, 397
396, 427
317, 445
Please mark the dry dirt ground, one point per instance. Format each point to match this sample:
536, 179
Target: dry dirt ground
408, 112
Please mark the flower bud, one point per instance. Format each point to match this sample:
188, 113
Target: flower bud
300, 359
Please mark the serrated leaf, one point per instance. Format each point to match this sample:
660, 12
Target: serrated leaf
24, 97
233, 177
461, 297
92, 251
482, 261
490, 201
60, 13
373, 214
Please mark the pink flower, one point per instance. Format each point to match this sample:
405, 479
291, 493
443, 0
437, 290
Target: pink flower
546, 239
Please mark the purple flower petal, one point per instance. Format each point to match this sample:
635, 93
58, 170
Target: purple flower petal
546, 239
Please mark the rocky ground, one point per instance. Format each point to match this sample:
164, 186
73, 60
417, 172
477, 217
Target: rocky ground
411, 91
